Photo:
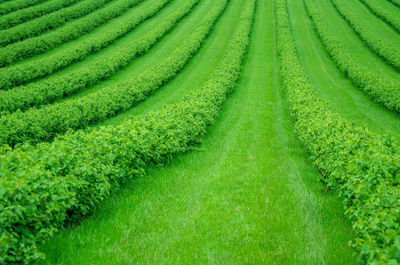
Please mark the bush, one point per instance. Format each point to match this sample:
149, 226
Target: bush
362, 167
48, 184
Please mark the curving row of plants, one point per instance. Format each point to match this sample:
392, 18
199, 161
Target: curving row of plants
395, 2
37, 125
56, 87
23, 15
381, 88
11, 6
36, 45
77, 171
385, 49
30, 70
49, 22
386, 15
362, 167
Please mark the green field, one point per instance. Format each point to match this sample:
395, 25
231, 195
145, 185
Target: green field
199, 132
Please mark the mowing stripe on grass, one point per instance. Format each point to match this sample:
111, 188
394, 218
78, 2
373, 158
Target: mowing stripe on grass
361, 166
147, 140
247, 195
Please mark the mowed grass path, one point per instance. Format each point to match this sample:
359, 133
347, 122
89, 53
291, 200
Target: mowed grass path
199, 68
247, 195
332, 85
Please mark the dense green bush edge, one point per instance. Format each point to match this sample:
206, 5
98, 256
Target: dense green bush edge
39, 44
32, 12
37, 125
33, 69
43, 186
383, 89
362, 167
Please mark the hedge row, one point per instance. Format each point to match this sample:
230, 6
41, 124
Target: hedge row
23, 15
381, 88
49, 22
52, 183
15, 5
57, 87
386, 15
37, 125
395, 2
389, 51
32, 69
32, 46
362, 167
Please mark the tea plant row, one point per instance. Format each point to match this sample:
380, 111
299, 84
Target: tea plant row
39, 44
95, 163
382, 88
362, 167
44, 124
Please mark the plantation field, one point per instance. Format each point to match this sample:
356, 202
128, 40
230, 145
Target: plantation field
199, 132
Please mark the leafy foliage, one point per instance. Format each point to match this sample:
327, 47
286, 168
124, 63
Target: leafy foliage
23, 15
36, 45
361, 166
44, 124
48, 22
387, 50
383, 13
11, 6
25, 71
382, 89
47, 185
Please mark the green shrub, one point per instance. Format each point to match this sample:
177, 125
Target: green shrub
44, 124
389, 17
11, 6
362, 167
29, 70
46, 185
389, 51
48, 22
28, 47
26, 14
382, 89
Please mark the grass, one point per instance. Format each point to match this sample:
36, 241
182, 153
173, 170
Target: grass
247, 195
354, 43
159, 51
193, 74
331, 84
109, 25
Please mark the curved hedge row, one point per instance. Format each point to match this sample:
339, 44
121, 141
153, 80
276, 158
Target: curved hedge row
11, 6
23, 15
362, 167
385, 49
29, 47
30, 70
395, 2
382, 89
37, 125
48, 22
57, 87
386, 15
95, 163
